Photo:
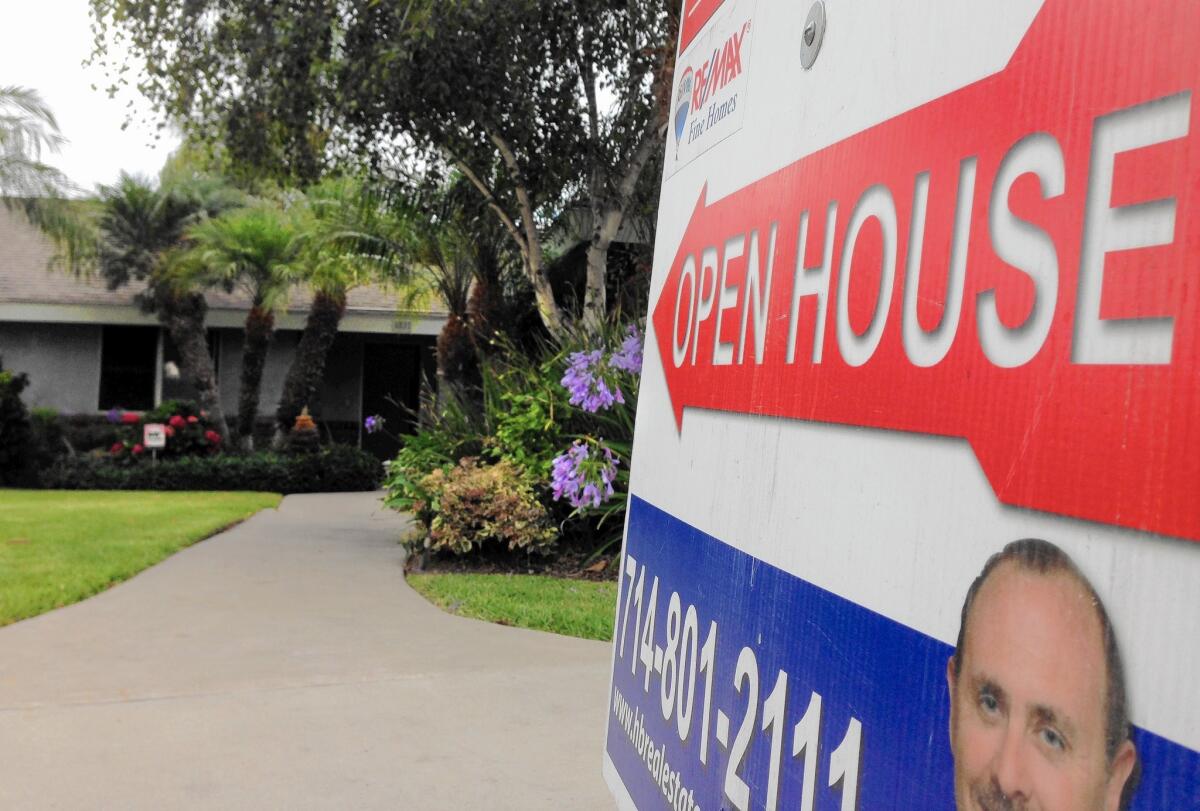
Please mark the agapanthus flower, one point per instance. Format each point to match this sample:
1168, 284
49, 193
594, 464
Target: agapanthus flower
629, 357
583, 478
373, 423
586, 383
113, 415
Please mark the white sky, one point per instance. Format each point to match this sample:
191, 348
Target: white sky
42, 46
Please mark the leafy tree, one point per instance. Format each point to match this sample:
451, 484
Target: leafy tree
510, 95
254, 248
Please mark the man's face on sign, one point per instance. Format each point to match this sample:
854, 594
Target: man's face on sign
1028, 708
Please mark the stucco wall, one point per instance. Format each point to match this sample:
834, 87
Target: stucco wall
62, 361
279, 358
340, 391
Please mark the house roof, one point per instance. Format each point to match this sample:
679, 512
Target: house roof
29, 285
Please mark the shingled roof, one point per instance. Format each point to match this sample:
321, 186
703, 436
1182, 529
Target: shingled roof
26, 278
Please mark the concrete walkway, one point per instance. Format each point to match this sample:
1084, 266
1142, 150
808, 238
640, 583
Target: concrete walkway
285, 664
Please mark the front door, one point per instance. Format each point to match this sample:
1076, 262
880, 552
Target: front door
391, 386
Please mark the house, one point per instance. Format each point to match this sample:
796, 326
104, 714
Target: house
88, 349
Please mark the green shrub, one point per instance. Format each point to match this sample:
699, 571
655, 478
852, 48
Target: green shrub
16, 433
474, 506
337, 468
87, 432
527, 411
48, 442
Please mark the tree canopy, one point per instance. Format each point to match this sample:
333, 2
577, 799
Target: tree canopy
541, 104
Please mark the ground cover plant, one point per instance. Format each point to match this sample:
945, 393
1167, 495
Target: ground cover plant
571, 607
57, 548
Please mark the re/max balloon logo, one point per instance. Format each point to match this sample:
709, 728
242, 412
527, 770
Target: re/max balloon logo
700, 82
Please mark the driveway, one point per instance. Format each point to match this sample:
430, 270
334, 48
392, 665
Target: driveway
285, 664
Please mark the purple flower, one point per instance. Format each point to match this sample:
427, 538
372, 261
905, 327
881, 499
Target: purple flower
373, 423
584, 479
113, 415
585, 382
629, 357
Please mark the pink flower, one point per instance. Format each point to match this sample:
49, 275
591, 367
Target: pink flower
169, 431
213, 437
116, 448
130, 418
192, 420
138, 449
177, 422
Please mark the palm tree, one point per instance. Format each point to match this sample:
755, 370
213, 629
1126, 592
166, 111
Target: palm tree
254, 248
138, 231
347, 241
27, 129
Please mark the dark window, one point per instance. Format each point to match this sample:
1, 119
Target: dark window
127, 359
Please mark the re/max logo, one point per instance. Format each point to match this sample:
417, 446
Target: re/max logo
720, 69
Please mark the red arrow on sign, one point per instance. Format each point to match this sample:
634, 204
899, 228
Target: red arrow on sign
1016, 263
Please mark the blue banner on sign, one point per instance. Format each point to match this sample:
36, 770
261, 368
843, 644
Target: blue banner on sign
737, 685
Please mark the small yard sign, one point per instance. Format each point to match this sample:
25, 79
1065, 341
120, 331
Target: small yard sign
915, 499
154, 436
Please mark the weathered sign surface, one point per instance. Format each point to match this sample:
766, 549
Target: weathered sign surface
938, 294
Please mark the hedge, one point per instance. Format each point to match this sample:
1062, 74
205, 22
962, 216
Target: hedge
337, 468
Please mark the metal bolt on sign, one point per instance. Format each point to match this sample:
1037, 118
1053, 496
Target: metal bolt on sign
814, 33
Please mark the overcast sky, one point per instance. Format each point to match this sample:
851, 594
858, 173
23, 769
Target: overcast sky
42, 46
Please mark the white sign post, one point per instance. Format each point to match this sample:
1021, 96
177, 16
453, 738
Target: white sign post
915, 501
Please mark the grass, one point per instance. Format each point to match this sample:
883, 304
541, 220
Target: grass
572, 607
58, 547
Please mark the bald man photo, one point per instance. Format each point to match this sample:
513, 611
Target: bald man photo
1038, 716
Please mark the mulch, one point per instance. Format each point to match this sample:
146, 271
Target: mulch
570, 561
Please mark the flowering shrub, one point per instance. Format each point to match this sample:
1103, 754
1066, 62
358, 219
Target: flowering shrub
583, 477
585, 474
578, 397
589, 380
187, 430
475, 505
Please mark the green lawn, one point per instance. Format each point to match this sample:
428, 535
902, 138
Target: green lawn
58, 547
572, 607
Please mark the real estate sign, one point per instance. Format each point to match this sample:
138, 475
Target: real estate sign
915, 502
154, 435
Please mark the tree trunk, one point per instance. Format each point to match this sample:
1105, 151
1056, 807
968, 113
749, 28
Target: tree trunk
607, 220
183, 317
303, 381
260, 324
457, 357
